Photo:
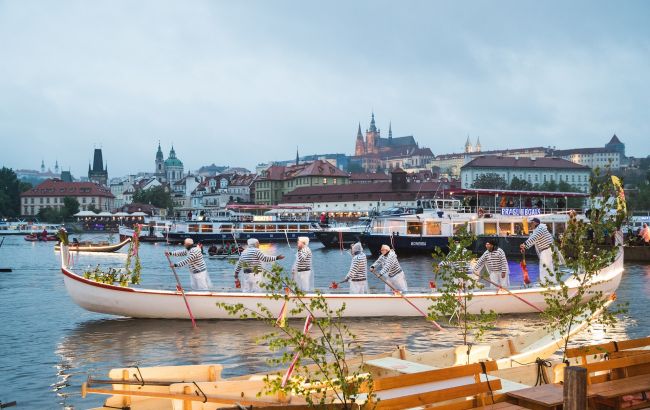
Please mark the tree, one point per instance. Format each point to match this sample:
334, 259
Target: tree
548, 186
10, 189
49, 214
520, 185
585, 256
70, 207
157, 196
457, 289
330, 378
490, 180
355, 167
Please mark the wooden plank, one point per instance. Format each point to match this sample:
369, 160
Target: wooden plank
548, 395
393, 382
607, 347
575, 388
621, 387
436, 396
617, 363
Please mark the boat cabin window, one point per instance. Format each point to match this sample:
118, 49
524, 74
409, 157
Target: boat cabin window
248, 228
261, 228
304, 228
505, 229
226, 228
489, 228
458, 227
414, 228
282, 228
193, 228
206, 228
433, 228
293, 228
519, 228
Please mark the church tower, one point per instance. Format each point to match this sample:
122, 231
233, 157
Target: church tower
372, 135
468, 146
99, 173
359, 147
478, 145
159, 172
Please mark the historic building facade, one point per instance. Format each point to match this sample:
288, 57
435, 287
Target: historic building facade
168, 170
534, 170
612, 155
99, 172
50, 194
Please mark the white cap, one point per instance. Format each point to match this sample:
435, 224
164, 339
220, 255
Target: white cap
188, 241
253, 242
304, 240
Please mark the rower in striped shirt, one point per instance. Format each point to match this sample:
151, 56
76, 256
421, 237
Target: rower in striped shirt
303, 273
199, 278
391, 271
494, 259
250, 261
543, 241
358, 273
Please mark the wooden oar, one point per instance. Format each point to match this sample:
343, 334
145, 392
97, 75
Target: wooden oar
180, 287
408, 301
518, 297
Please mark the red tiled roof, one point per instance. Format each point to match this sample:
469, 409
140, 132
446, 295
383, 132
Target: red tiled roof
374, 176
315, 168
56, 187
497, 161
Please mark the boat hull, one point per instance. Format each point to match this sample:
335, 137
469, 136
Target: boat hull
163, 304
263, 237
98, 248
334, 239
405, 244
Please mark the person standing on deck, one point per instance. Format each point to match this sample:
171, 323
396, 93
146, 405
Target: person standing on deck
391, 270
543, 241
199, 278
494, 259
250, 261
302, 270
644, 234
358, 273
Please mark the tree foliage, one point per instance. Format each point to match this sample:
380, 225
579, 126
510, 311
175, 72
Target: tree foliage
10, 189
51, 214
490, 180
457, 288
158, 196
582, 247
520, 185
327, 377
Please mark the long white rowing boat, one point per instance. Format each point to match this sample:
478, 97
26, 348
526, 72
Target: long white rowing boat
168, 304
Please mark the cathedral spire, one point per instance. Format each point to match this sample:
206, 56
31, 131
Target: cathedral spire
297, 156
390, 130
359, 136
373, 128
468, 145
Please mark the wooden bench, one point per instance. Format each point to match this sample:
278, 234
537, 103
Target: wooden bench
467, 382
392, 366
605, 348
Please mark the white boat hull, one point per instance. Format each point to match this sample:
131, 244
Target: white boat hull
164, 304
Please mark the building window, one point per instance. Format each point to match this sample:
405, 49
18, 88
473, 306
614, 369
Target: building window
324, 181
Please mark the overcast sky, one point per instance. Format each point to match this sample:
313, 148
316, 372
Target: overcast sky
243, 82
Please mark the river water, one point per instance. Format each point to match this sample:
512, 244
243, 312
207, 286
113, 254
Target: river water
49, 345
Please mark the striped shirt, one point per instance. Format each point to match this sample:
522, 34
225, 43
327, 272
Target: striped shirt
303, 259
194, 259
541, 238
358, 268
389, 264
495, 261
251, 259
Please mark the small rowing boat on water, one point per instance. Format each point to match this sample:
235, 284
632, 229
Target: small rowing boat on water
95, 247
168, 304
41, 238
517, 363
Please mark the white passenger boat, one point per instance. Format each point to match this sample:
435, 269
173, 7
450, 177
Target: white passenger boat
169, 304
27, 228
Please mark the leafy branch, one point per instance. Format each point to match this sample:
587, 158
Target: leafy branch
329, 377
